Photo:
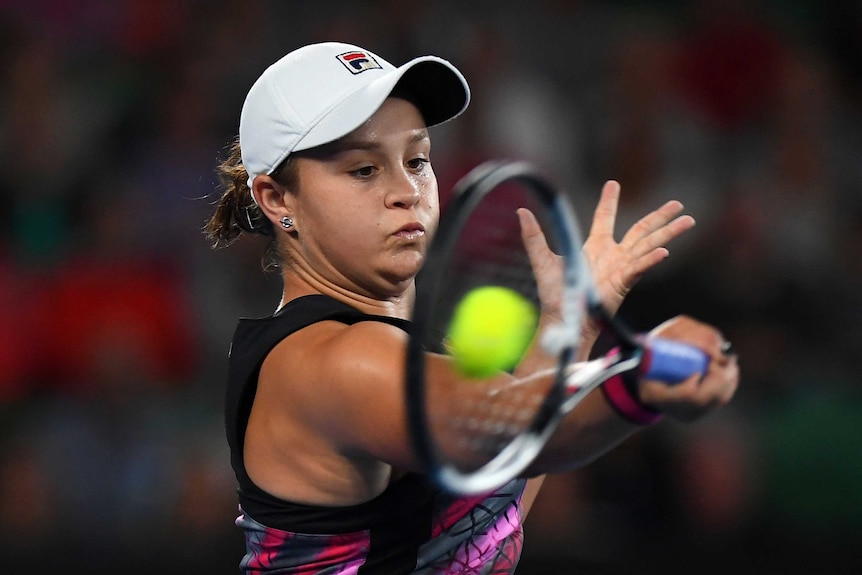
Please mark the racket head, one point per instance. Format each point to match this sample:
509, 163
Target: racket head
475, 433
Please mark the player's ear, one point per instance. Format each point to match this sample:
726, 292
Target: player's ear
274, 200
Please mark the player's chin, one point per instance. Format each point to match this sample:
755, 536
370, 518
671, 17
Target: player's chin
403, 266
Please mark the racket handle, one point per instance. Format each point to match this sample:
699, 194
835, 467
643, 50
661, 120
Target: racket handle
671, 361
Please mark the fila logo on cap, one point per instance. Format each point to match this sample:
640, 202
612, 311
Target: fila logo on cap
358, 62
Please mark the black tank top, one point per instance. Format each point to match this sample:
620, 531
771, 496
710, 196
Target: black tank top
411, 527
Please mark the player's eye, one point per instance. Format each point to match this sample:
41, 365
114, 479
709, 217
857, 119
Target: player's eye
418, 164
363, 173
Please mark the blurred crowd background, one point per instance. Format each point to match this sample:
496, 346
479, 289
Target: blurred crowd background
115, 314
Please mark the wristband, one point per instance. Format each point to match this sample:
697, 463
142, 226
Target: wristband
626, 403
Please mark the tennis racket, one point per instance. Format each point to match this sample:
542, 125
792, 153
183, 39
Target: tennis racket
472, 434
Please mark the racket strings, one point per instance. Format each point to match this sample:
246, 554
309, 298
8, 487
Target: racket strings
475, 420
486, 418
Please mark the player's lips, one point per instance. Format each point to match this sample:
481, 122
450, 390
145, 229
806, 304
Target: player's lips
410, 231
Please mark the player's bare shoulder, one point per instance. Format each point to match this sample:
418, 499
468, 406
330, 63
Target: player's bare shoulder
330, 360
346, 383
366, 349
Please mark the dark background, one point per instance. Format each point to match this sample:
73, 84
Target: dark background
116, 315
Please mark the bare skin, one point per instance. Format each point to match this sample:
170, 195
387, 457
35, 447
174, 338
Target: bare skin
328, 425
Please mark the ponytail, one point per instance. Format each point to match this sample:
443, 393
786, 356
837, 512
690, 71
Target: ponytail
235, 211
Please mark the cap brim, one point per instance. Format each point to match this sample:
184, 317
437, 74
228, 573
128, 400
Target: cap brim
437, 88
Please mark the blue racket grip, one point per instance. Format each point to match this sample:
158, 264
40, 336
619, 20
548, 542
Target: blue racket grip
671, 361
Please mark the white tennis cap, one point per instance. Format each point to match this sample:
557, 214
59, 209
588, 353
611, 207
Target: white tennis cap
321, 92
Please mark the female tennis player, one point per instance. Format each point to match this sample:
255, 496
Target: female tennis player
333, 164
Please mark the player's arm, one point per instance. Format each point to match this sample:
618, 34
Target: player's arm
345, 384
594, 427
616, 267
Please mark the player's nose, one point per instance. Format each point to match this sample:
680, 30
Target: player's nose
403, 191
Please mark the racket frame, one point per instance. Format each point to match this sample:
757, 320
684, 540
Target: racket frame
560, 340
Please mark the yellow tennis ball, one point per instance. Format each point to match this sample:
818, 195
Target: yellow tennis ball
490, 331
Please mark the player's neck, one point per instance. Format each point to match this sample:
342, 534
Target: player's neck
297, 286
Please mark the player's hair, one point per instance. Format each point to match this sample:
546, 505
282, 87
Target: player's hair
236, 213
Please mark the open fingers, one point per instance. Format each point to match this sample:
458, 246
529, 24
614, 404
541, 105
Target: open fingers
605, 216
546, 264
658, 227
531, 233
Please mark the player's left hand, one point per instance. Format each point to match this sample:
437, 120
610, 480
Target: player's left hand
617, 266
